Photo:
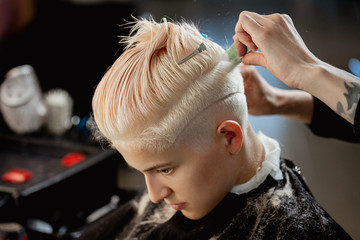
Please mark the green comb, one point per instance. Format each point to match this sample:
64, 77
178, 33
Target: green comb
233, 56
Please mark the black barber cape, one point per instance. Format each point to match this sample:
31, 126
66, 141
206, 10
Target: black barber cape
282, 209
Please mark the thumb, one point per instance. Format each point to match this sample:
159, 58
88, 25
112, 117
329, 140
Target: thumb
254, 58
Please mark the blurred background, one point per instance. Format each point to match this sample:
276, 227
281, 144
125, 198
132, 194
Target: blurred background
71, 43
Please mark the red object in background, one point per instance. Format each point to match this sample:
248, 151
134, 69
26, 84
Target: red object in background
12, 231
72, 158
17, 175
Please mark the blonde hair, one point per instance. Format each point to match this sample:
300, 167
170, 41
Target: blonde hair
145, 100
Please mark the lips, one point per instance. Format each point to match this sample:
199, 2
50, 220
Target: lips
178, 206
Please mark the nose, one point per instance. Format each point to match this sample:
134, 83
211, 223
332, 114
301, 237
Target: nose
157, 190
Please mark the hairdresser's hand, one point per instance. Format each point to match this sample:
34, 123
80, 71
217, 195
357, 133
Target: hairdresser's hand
264, 99
260, 95
283, 51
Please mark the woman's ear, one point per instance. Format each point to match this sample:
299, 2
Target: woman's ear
233, 135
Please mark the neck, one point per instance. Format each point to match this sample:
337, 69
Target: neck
251, 156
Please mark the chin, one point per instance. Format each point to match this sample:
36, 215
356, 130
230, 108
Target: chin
193, 215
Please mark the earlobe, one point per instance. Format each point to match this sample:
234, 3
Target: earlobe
232, 132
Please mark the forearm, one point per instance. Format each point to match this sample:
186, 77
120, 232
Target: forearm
338, 89
295, 104
285, 55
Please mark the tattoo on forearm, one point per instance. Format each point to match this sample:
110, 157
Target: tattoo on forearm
352, 98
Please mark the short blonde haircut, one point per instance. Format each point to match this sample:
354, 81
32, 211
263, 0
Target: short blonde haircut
145, 100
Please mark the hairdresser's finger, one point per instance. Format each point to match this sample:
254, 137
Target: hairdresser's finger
246, 28
241, 44
244, 70
251, 22
242, 39
288, 19
279, 19
258, 18
255, 58
240, 47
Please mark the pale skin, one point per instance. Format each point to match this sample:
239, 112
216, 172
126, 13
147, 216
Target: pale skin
194, 181
285, 55
264, 99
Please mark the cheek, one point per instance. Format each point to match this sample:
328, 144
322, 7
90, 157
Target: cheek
205, 188
206, 174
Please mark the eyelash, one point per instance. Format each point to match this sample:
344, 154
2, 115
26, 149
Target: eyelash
166, 171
